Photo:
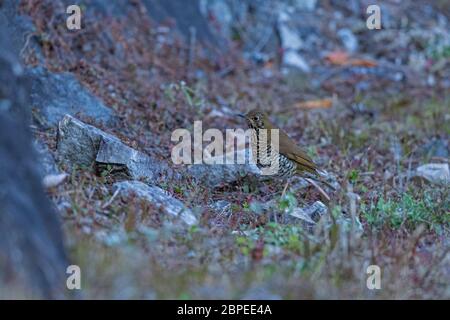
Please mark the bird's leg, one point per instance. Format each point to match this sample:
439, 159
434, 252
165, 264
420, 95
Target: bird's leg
284, 189
282, 195
322, 192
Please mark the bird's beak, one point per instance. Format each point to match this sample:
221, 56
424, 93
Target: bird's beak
240, 115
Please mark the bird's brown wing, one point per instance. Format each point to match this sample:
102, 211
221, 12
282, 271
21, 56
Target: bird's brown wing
290, 149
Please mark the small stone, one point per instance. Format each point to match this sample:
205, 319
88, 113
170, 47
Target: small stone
54, 180
294, 59
289, 38
316, 210
348, 39
310, 214
222, 207
301, 214
290, 43
308, 5
437, 173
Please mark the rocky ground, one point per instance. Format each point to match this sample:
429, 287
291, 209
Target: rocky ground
371, 107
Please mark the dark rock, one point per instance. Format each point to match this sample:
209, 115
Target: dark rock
52, 94
14, 90
31, 245
185, 16
435, 148
32, 255
46, 160
58, 94
18, 29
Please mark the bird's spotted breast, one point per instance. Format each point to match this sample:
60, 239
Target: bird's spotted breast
264, 158
287, 167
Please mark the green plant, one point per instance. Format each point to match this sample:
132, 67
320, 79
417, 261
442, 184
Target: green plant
287, 202
246, 244
353, 176
285, 236
407, 211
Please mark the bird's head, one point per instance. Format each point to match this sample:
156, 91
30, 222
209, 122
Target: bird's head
257, 120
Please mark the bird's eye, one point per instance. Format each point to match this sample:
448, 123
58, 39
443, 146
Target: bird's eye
256, 118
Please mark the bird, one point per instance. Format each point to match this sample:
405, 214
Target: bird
292, 160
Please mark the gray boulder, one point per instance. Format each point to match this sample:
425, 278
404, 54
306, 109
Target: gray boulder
217, 175
84, 145
47, 163
32, 254
57, 94
186, 17
14, 89
18, 29
31, 244
158, 197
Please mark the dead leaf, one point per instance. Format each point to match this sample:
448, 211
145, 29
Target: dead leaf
342, 58
337, 57
315, 104
363, 63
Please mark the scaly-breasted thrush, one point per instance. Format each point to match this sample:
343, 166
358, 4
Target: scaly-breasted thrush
292, 159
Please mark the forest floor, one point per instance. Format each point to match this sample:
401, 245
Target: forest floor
355, 117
